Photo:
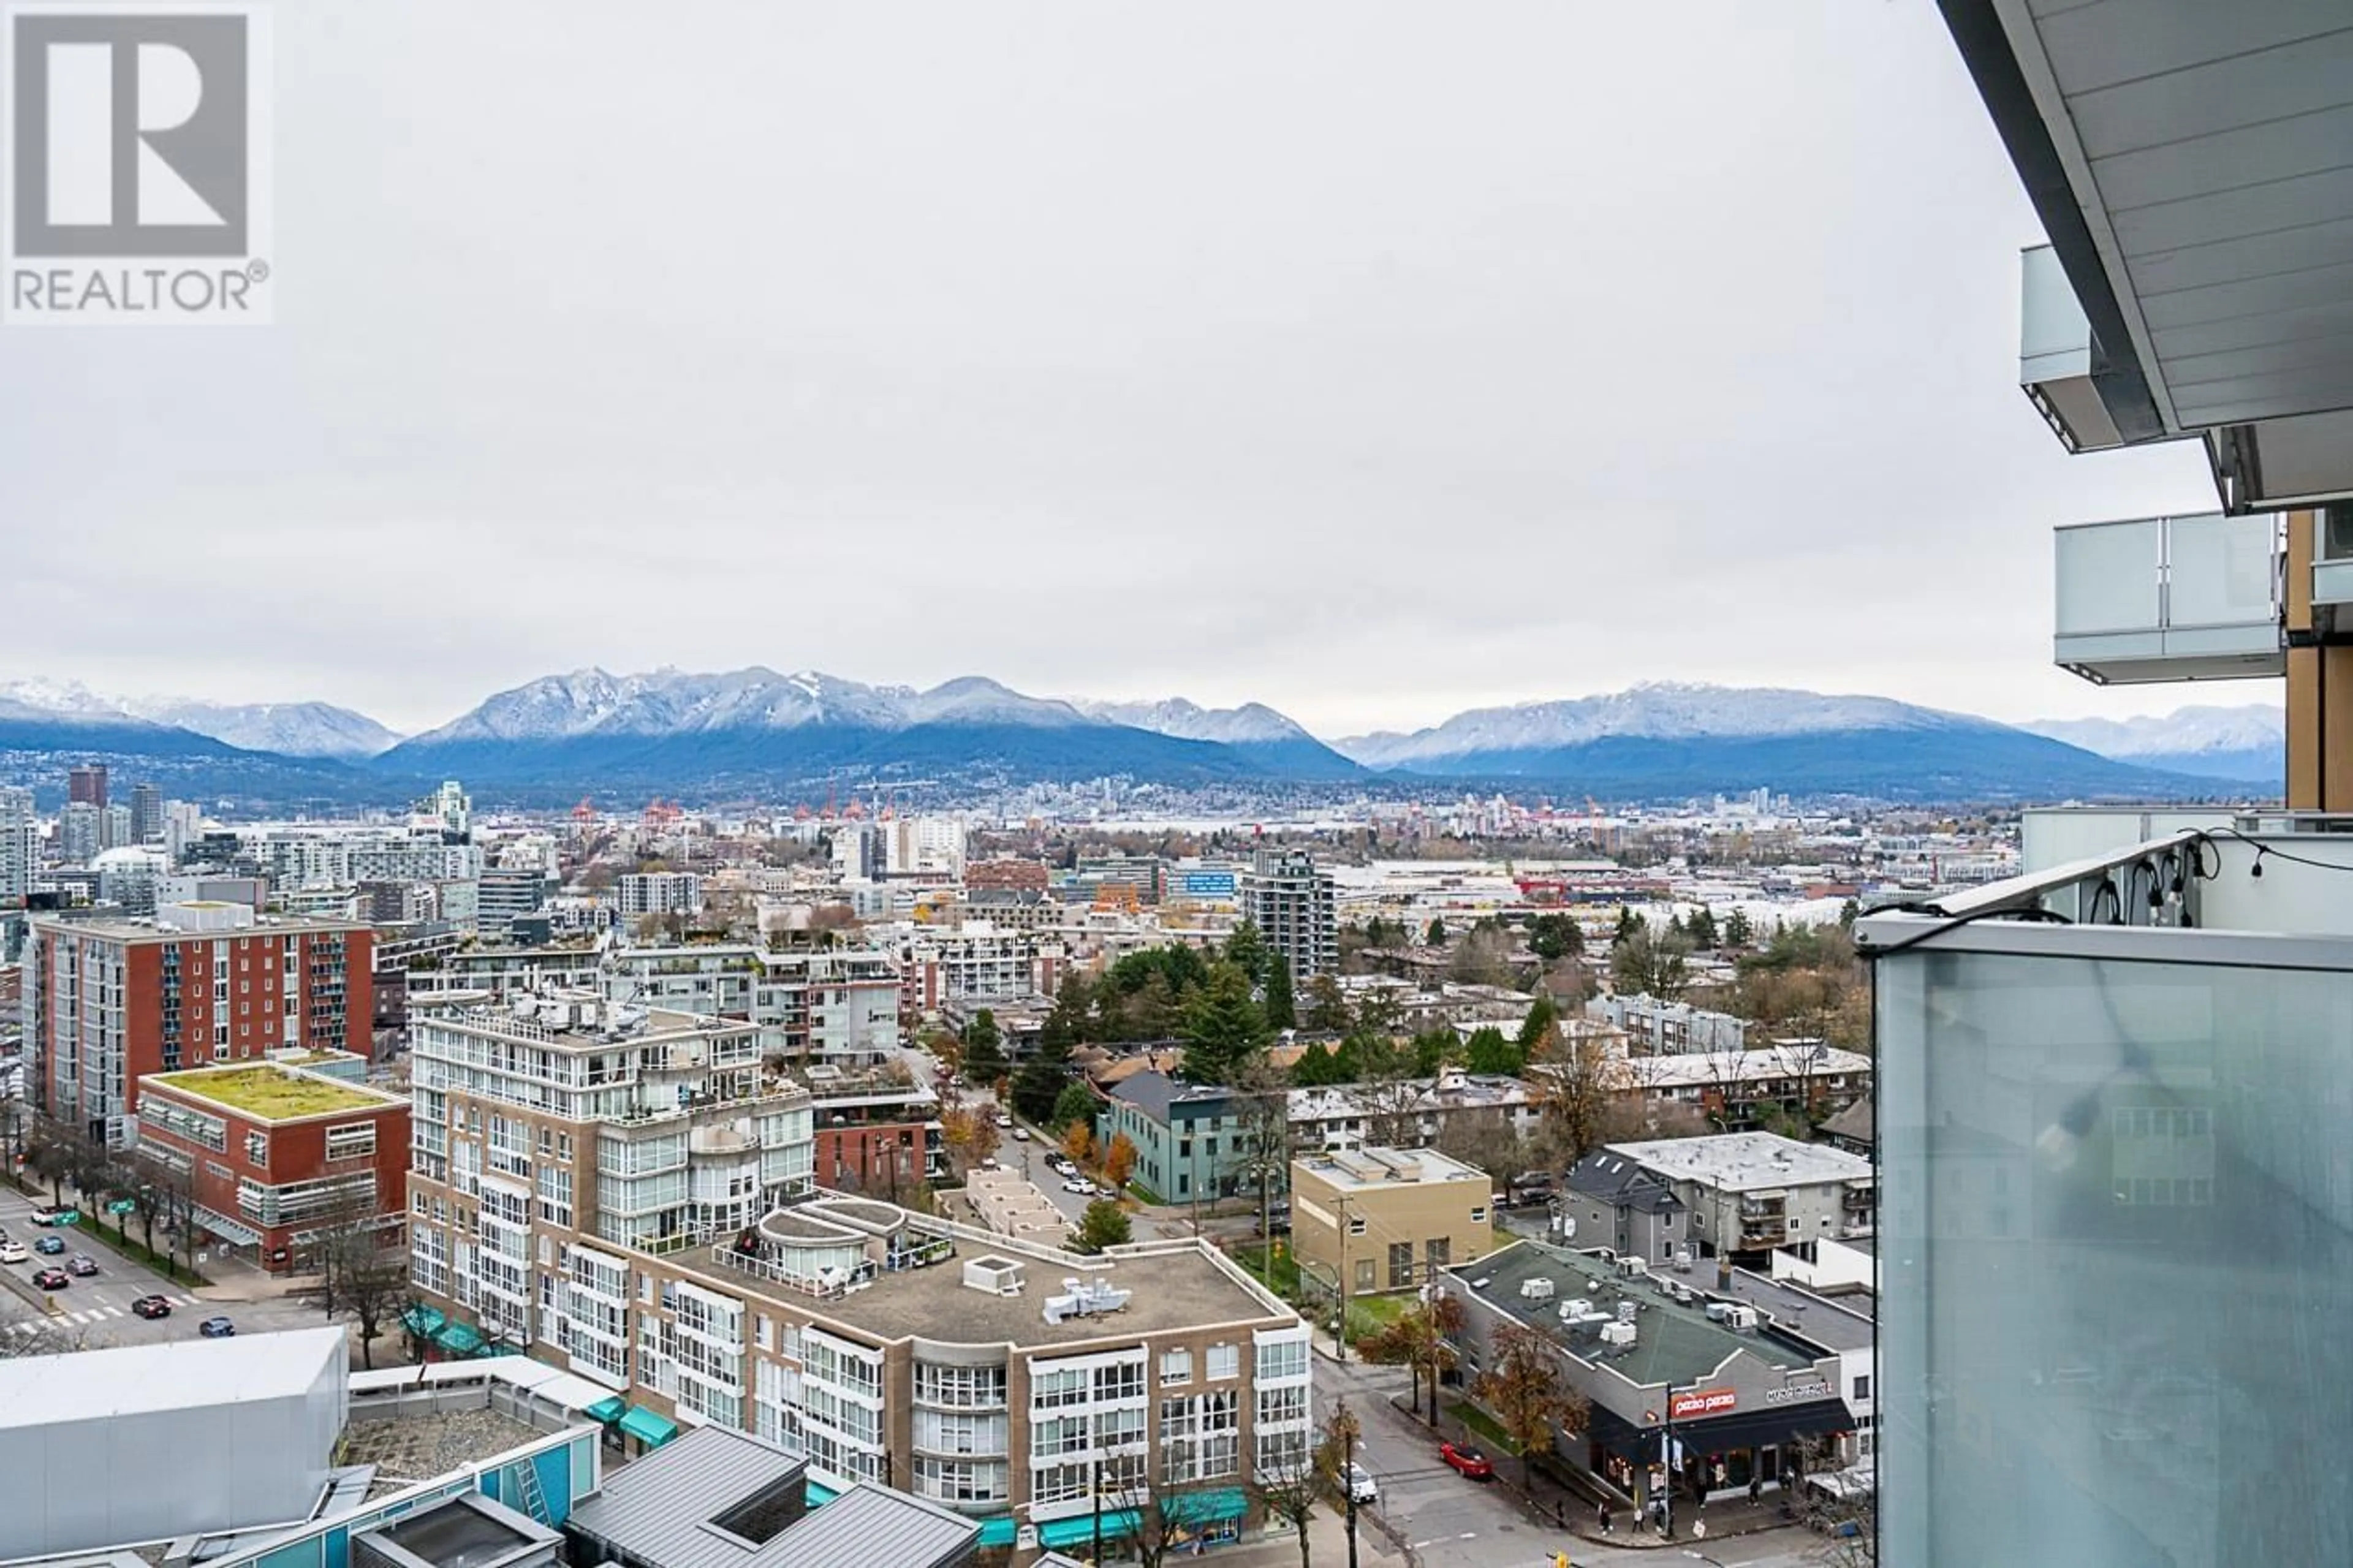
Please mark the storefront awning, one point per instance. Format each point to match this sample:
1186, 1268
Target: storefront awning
1219, 1505
647, 1428
607, 1410
1081, 1531
999, 1532
1720, 1434
817, 1493
423, 1321
458, 1339
236, 1233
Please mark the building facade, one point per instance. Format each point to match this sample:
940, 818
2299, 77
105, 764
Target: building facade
1193, 1143
642, 893
1292, 904
20, 844
810, 1004
1006, 1382
273, 1153
1388, 1219
550, 1118
1750, 1192
108, 1001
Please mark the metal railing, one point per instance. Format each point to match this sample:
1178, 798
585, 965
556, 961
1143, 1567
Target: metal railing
2154, 884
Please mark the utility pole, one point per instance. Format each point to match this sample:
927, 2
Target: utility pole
1340, 1335
1094, 1489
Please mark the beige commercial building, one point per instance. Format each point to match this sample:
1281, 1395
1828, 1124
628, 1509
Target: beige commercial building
1388, 1219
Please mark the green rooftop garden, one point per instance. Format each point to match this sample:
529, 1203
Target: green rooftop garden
270, 1093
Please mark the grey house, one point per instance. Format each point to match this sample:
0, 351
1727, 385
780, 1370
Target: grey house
1611, 1201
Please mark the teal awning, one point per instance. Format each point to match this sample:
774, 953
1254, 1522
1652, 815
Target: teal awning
819, 1494
458, 1339
606, 1410
1216, 1506
1081, 1531
999, 1532
423, 1321
647, 1428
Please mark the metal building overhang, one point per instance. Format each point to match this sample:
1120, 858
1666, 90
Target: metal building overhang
2187, 160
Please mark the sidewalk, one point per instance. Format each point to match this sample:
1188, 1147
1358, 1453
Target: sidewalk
1328, 1538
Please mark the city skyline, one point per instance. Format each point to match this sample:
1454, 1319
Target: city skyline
1359, 353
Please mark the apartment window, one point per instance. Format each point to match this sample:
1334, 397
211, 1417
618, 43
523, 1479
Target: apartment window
1055, 1390
1281, 1360
1355, 1224
1400, 1265
1438, 1252
351, 1140
1175, 1366
257, 1149
1479, 1215
1225, 1362
1118, 1382
1862, 1388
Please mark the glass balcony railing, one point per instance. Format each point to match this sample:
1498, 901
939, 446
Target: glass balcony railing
2056, 356
2116, 1211
2169, 598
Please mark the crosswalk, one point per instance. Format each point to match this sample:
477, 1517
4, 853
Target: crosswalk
89, 1316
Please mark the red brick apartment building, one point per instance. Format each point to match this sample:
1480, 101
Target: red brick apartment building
110, 1001
273, 1151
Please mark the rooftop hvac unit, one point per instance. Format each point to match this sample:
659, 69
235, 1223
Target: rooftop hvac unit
1718, 1311
1631, 1265
1629, 1311
1618, 1335
1740, 1317
1535, 1289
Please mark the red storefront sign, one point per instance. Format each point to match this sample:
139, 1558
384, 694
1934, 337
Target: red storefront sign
1703, 1401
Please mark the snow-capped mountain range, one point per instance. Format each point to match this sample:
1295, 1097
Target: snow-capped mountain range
1653, 711
2248, 742
736, 734
286, 728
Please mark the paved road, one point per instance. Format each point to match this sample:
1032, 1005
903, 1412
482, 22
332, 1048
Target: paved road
96, 1313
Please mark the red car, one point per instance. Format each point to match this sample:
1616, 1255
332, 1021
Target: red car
1468, 1461
52, 1280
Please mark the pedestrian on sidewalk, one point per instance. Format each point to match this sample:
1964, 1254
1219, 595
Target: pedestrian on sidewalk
1757, 1489
1601, 1516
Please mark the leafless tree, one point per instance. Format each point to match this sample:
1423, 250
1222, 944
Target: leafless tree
1261, 1104
360, 1276
1288, 1486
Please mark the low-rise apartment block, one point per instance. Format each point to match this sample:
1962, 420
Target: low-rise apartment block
1750, 1192
274, 1152
1388, 1219
1001, 1380
644, 893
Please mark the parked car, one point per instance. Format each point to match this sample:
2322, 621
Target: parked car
14, 1252
1471, 1462
1021, 1135
1080, 1185
82, 1267
216, 1328
50, 1245
52, 1280
55, 1216
152, 1307
1361, 1490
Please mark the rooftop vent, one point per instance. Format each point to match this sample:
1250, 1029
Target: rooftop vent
1620, 1336
1535, 1289
1085, 1299
993, 1276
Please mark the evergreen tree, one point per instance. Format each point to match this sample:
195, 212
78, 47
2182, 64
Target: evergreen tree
1075, 1106
1224, 1026
1487, 1051
1067, 1024
1040, 1083
1736, 929
1281, 1012
1327, 1007
1536, 1029
1436, 936
1701, 928
984, 1049
1247, 950
1554, 936
1629, 922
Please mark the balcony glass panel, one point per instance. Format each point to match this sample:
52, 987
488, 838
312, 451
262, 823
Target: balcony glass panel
2111, 576
2116, 1235
2169, 598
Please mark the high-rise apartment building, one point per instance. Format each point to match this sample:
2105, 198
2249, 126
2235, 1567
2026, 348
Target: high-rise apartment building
108, 1001
20, 844
116, 828
2117, 1199
1290, 902
80, 833
555, 1117
146, 813
506, 894
86, 785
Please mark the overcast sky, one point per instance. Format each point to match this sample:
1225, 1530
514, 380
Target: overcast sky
1374, 360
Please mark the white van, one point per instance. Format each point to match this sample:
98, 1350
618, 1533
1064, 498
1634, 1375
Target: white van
1361, 1490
